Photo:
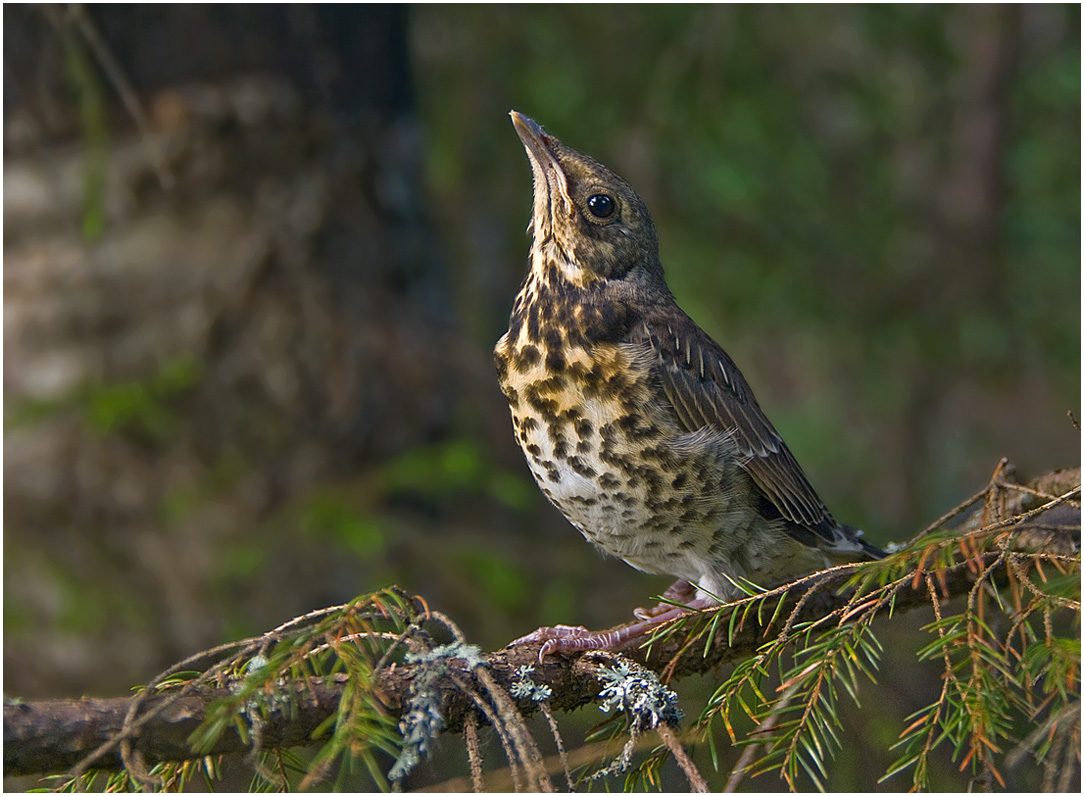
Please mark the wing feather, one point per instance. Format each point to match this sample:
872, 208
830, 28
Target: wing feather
705, 388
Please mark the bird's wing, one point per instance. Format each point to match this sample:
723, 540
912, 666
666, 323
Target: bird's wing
706, 388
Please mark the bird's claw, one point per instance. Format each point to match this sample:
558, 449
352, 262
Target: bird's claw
577, 638
555, 638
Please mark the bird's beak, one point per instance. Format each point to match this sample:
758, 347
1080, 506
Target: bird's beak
532, 135
540, 149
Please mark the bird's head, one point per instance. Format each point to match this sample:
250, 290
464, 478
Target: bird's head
587, 222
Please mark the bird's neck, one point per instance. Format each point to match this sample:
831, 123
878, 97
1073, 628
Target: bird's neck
553, 263
552, 310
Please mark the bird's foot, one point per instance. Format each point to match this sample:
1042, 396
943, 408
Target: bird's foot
568, 638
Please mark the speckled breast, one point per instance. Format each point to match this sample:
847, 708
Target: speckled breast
605, 455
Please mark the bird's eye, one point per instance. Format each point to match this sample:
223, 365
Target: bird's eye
601, 205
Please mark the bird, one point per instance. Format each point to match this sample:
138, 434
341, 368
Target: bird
635, 423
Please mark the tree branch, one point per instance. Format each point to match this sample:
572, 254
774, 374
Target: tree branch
56, 735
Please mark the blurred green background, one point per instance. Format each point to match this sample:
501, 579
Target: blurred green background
268, 388
875, 210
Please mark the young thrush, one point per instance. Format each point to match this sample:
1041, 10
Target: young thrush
636, 424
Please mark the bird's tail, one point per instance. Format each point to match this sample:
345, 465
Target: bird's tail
854, 536
872, 551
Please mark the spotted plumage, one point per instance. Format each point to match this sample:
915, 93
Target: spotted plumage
636, 425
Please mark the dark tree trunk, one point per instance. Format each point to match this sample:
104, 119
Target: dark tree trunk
181, 362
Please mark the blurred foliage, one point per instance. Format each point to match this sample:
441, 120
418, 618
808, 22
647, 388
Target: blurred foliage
458, 466
875, 209
142, 405
145, 406
330, 519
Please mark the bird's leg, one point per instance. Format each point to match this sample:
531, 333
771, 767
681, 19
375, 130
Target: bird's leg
680, 591
567, 638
